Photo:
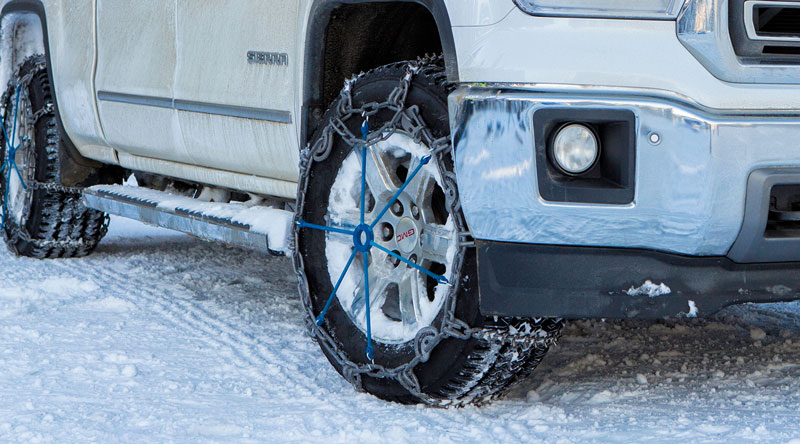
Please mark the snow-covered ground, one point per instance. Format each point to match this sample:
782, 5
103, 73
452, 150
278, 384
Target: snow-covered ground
159, 338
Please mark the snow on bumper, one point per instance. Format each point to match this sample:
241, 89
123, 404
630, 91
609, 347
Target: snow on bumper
690, 187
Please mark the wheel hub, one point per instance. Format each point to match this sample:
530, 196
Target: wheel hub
407, 235
362, 238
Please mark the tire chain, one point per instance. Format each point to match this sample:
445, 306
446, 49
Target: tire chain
526, 335
72, 194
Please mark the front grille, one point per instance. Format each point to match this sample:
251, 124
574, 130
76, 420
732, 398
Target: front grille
776, 21
765, 31
781, 50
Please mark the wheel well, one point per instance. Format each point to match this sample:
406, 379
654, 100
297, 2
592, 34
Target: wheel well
347, 37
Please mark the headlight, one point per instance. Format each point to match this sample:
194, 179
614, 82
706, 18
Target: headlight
627, 9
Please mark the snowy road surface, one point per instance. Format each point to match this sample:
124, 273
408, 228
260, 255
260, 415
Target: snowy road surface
159, 338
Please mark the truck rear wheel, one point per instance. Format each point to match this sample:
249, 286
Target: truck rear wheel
40, 218
415, 333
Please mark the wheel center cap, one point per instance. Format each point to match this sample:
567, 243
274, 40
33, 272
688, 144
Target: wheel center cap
362, 238
406, 235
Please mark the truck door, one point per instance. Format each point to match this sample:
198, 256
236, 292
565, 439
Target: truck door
235, 85
136, 59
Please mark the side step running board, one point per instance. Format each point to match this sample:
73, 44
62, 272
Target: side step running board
256, 227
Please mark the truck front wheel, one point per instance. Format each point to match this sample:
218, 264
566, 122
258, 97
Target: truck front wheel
388, 276
41, 218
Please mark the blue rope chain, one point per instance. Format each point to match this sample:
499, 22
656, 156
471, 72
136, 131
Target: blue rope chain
363, 239
10, 164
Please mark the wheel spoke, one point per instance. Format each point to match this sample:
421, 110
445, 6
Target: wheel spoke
438, 278
420, 189
19, 174
347, 221
435, 240
303, 224
409, 299
378, 285
397, 194
377, 176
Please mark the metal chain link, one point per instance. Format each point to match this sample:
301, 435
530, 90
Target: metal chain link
29, 121
408, 120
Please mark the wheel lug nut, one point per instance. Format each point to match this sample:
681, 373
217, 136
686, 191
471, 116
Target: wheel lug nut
386, 232
397, 209
413, 258
393, 260
415, 211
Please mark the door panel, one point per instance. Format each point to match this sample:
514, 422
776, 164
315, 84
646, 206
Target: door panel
216, 86
136, 59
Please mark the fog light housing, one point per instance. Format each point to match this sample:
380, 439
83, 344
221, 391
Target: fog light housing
575, 149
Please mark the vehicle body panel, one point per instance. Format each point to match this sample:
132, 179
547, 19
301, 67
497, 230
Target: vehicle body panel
602, 53
68, 37
213, 40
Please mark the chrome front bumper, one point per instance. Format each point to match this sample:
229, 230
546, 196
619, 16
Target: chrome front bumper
690, 187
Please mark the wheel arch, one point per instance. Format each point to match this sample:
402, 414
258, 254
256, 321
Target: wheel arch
316, 96
75, 169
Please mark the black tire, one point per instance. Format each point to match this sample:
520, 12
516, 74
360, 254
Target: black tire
459, 371
47, 221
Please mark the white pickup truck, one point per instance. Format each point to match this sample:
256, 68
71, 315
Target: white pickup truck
452, 178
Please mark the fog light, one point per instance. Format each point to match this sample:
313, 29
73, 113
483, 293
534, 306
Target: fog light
575, 148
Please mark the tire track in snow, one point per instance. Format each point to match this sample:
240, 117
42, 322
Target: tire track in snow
302, 389
246, 351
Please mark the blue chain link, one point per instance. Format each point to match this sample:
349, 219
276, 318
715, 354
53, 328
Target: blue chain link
364, 247
10, 164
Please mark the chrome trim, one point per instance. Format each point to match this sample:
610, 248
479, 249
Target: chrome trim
703, 30
690, 188
625, 92
750, 24
669, 13
242, 112
133, 99
234, 111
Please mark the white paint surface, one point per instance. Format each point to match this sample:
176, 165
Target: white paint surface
581, 54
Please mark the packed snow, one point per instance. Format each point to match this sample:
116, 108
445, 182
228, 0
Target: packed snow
160, 338
649, 289
692, 310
